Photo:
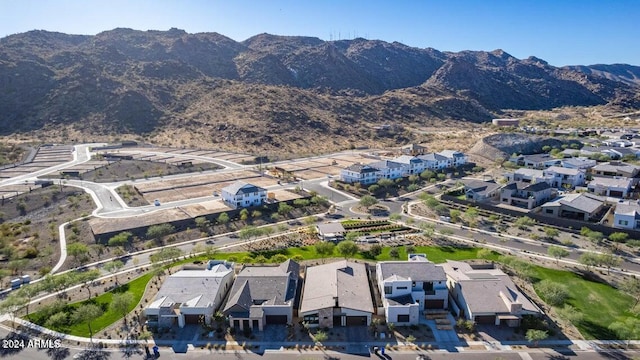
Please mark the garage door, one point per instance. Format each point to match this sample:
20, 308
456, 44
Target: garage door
192, 319
434, 304
485, 319
276, 319
614, 193
356, 320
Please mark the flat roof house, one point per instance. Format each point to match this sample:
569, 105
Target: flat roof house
190, 296
539, 161
241, 194
263, 295
336, 294
615, 168
578, 163
413, 149
619, 187
409, 288
333, 231
525, 175
486, 295
560, 177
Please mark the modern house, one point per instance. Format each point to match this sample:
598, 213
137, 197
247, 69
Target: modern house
388, 169
411, 287
336, 294
333, 231
619, 187
578, 163
263, 295
480, 190
560, 177
525, 195
584, 207
525, 175
486, 295
359, 173
627, 215
537, 161
190, 296
455, 158
241, 195
615, 168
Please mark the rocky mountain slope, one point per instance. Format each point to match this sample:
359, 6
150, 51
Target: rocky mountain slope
269, 91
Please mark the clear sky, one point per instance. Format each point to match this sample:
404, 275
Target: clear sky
562, 32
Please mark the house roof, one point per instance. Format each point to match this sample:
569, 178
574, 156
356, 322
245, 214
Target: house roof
562, 170
615, 167
529, 172
480, 187
192, 288
432, 157
629, 209
414, 270
538, 158
241, 187
487, 290
361, 168
406, 159
520, 185
451, 153
330, 228
344, 282
578, 161
617, 182
264, 285
386, 164
583, 202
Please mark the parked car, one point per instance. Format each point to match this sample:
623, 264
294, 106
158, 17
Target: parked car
156, 202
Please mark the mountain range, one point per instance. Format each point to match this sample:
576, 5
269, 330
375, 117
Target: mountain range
269, 90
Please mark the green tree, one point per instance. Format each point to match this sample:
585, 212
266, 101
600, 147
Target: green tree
619, 237
223, 218
113, 267
524, 222
368, 200
471, 216
352, 236
631, 286
347, 248
551, 232
158, 231
86, 314
589, 260
428, 175
374, 188
394, 253
535, 336
484, 253
57, 321
284, 208
244, 214
320, 336
627, 329
375, 250
202, 223
557, 252
78, 251
121, 303
170, 253
385, 183
553, 293
609, 260
120, 239
455, 215
324, 248
278, 258
569, 314
595, 237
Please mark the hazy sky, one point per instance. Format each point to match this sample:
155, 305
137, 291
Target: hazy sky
563, 32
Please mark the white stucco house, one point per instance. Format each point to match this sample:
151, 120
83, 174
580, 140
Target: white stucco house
241, 194
414, 165
455, 158
564, 177
190, 296
359, 173
388, 169
435, 161
627, 215
409, 288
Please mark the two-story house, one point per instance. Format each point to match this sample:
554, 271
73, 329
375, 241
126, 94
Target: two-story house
359, 173
578, 163
388, 169
565, 178
435, 161
619, 187
525, 175
411, 287
536, 161
617, 169
456, 158
627, 215
413, 149
241, 194
413, 164
525, 195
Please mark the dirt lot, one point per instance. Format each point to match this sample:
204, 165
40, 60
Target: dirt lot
30, 227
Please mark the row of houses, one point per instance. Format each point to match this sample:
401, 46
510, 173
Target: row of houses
402, 166
337, 294
610, 185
